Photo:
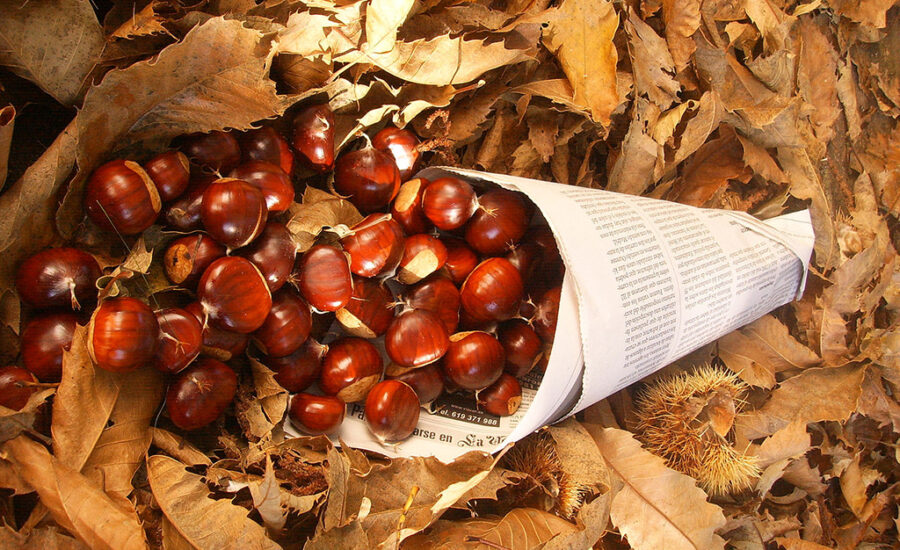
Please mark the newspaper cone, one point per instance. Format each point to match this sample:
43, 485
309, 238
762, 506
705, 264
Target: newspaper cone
647, 282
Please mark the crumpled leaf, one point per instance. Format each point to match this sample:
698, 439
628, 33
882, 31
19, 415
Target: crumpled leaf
267, 499
12, 422
710, 169
261, 402
652, 62
142, 23
308, 219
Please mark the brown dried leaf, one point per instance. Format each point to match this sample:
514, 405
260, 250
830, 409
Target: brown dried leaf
74, 501
383, 18
43, 538
520, 528
178, 447
710, 169
817, 79
7, 122
652, 63
142, 23
868, 12
592, 522
682, 19
579, 457
633, 170
709, 115
307, 220
12, 422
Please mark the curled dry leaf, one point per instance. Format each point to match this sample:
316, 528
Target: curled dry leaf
520, 528
307, 220
12, 422
383, 18
142, 23
178, 447
7, 123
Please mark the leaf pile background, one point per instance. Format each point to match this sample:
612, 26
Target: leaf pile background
759, 106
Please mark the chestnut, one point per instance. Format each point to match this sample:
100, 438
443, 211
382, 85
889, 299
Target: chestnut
492, 292
273, 253
270, 179
422, 256
58, 277
402, 145
268, 145
474, 360
14, 388
218, 343
526, 257
449, 203
439, 295
370, 310
314, 137
368, 177
234, 294
216, 151
200, 393
407, 207
426, 381
122, 334
120, 196
233, 212
325, 279
43, 342
286, 327
179, 341
183, 213
522, 345
297, 371
416, 338
170, 172
461, 259
317, 414
350, 368
375, 245
546, 313
502, 398
499, 222
392, 410
186, 258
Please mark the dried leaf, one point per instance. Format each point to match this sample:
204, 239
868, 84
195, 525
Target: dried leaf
12, 422
267, 499
652, 62
817, 79
592, 522
142, 23
178, 447
520, 528
633, 170
789, 442
867, 12
383, 18
710, 169
698, 128
682, 19
307, 220
7, 122
43, 538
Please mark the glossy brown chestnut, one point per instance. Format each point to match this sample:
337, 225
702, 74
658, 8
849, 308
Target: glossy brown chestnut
368, 177
461, 259
370, 310
270, 179
426, 381
439, 295
43, 342
14, 393
402, 145
273, 253
392, 410
184, 212
58, 277
375, 245
313, 137
200, 393
500, 221
179, 341
187, 258
317, 414
546, 313
350, 368
287, 325
122, 335
474, 360
502, 398
234, 295
422, 256
267, 144
215, 151
297, 371
218, 343
233, 212
407, 207
522, 345
325, 279
416, 338
120, 196
526, 257
171, 172
449, 203
493, 291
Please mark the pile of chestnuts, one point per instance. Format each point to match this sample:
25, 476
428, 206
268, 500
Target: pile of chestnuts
441, 288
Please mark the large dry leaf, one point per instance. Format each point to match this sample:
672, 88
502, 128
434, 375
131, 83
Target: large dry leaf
383, 18
868, 12
817, 79
656, 507
652, 63
682, 19
522, 528
205, 523
178, 447
579, 457
53, 43
74, 501
592, 522
14, 422
710, 169
308, 219
700, 126
633, 170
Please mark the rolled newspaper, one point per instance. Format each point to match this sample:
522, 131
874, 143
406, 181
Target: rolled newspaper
647, 282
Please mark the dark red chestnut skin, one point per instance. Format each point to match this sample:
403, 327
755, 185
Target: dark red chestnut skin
426, 381
499, 222
274, 183
502, 398
546, 313
370, 310
273, 253
325, 279
522, 345
461, 259
407, 207
234, 295
439, 295
200, 393
474, 360
122, 335
286, 327
401, 144
14, 394
375, 245
526, 257
233, 212
416, 338
392, 410
171, 172
368, 177
186, 258
216, 151
350, 368
43, 342
449, 203
266, 144
219, 344
317, 414
180, 339
492, 292
58, 277
313, 137
422, 256
184, 213
120, 196
298, 371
